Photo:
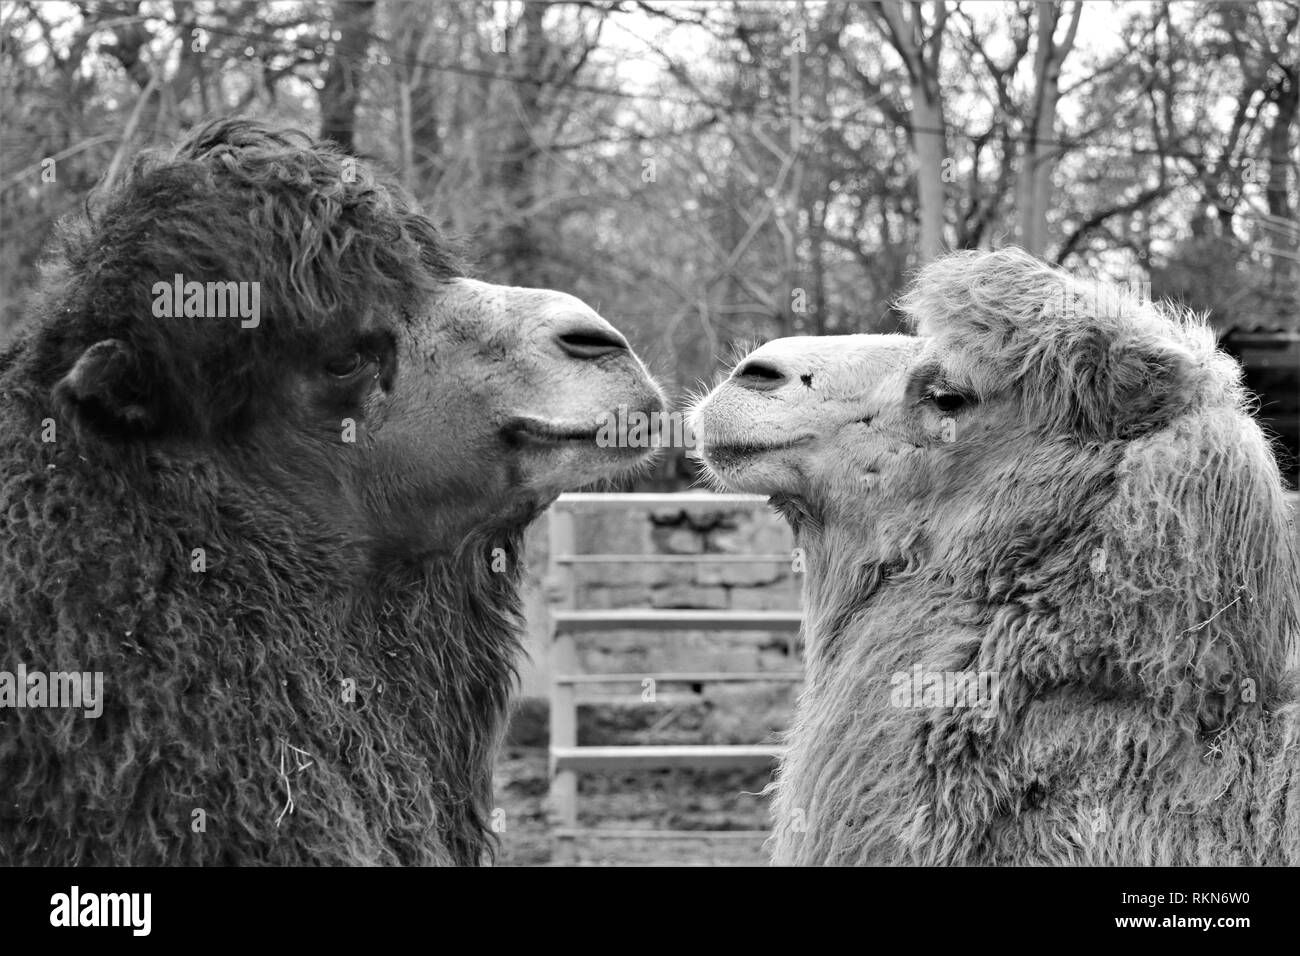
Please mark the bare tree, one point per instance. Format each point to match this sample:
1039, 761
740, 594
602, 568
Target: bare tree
921, 53
1282, 212
1034, 192
341, 90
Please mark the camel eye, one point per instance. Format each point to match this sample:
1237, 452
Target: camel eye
348, 365
948, 401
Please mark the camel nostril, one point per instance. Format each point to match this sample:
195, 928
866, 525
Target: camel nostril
591, 342
758, 374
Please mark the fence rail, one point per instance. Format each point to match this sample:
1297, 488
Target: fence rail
653, 757
575, 622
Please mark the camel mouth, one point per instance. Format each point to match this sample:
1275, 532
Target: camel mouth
539, 431
730, 454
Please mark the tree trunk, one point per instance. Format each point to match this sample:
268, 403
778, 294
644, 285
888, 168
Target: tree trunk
1034, 192
1286, 233
341, 90
407, 150
921, 56
519, 249
931, 149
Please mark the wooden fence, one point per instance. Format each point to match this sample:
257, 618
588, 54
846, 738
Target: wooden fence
569, 623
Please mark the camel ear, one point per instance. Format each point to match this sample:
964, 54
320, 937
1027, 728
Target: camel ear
1139, 384
107, 391
1154, 386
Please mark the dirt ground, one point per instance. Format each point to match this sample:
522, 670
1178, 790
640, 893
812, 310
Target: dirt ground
654, 800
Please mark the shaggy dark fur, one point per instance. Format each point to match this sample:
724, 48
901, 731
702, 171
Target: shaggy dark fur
224, 690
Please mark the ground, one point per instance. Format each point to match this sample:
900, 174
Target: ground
654, 800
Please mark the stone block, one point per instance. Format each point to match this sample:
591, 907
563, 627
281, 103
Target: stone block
688, 596
678, 541
775, 597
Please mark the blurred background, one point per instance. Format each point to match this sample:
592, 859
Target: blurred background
709, 175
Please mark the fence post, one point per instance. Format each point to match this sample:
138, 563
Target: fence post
564, 660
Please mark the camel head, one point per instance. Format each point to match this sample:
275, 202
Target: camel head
499, 410
272, 302
1011, 359
829, 421
1038, 433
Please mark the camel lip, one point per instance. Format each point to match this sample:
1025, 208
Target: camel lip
737, 450
540, 431
524, 431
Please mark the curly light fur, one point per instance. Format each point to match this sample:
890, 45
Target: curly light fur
1106, 535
